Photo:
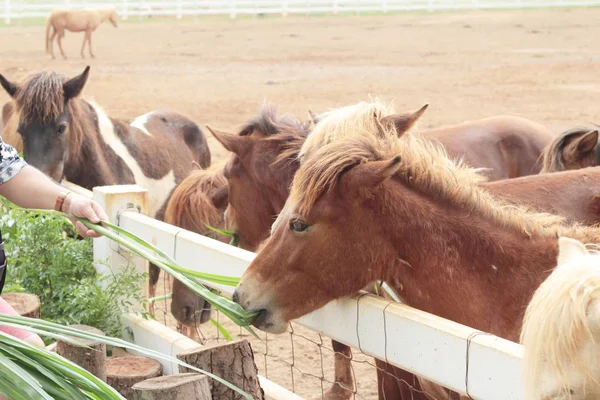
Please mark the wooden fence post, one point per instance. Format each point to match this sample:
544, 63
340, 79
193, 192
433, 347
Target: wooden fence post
108, 255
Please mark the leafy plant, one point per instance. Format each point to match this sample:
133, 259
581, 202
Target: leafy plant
47, 258
31, 373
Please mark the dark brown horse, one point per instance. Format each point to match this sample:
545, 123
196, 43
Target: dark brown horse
503, 146
70, 138
198, 201
530, 190
572, 149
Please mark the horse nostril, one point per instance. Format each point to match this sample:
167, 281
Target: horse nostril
235, 297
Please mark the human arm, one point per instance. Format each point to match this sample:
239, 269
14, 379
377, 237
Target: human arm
28, 187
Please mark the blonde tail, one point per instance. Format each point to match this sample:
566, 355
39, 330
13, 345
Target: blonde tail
560, 326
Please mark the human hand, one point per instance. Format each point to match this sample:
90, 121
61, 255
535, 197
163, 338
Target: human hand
83, 207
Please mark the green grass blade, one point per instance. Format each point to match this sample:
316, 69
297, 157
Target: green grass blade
25, 383
49, 329
222, 329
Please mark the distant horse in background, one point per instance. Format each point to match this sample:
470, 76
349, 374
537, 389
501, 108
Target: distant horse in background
76, 21
67, 137
197, 202
573, 149
561, 328
505, 146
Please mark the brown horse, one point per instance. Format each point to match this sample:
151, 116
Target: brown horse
67, 137
76, 21
8, 128
572, 149
259, 270
197, 202
504, 146
273, 165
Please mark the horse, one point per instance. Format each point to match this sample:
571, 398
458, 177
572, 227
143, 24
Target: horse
197, 202
561, 328
9, 128
505, 146
360, 175
273, 164
574, 148
76, 21
68, 137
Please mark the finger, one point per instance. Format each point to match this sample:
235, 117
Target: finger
99, 211
81, 229
89, 213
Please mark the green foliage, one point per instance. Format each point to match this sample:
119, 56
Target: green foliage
46, 257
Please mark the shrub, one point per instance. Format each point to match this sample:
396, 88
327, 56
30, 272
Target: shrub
46, 257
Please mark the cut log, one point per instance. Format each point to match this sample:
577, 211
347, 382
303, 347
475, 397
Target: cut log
26, 304
91, 358
124, 372
234, 362
173, 387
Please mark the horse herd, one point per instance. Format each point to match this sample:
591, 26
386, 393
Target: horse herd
465, 222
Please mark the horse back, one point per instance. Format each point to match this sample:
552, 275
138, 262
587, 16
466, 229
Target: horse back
508, 146
574, 194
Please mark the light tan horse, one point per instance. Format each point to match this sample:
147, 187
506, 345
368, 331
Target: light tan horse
76, 21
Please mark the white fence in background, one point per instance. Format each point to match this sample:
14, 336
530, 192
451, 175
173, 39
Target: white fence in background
442, 351
27, 9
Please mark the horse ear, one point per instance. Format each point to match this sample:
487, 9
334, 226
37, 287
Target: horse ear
569, 248
233, 143
373, 173
403, 122
10, 87
587, 142
313, 116
74, 86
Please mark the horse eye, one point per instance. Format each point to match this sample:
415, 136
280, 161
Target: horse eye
62, 129
298, 225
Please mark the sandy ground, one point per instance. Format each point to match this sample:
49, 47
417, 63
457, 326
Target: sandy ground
540, 64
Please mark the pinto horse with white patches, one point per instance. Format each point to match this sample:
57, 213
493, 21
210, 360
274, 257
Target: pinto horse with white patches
68, 137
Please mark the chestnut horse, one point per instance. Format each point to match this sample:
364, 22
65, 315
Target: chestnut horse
336, 175
575, 148
504, 146
273, 164
67, 137
76, 21
561, 328
197, 202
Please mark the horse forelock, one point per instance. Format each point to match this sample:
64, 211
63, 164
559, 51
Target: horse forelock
424, 166
552, 155
269, 123
41, 98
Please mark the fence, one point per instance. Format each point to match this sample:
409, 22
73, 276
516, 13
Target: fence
462, 359
27, 9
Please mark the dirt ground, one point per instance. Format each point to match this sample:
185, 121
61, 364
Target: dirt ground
539, 64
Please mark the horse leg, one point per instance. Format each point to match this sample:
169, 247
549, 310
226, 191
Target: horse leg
85, 39
51, 44
90, 44
343, 386
59, 40
153, 275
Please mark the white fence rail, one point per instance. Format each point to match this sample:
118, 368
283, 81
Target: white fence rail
442, 351
26, 9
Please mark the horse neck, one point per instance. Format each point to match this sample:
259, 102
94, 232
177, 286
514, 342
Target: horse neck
104, 15
465, 268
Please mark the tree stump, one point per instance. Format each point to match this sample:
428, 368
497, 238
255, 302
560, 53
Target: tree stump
234, 362
26, 304
124, 372
173, 387
92, 359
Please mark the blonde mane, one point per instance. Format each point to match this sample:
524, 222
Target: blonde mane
424, 166
561, 327
357, 119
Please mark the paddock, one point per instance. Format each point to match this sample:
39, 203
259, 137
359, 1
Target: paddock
540, 64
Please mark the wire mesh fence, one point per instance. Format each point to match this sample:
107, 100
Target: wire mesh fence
301, 360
